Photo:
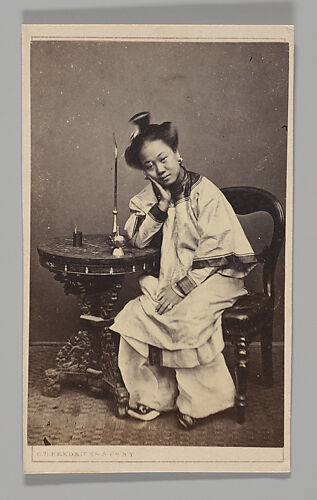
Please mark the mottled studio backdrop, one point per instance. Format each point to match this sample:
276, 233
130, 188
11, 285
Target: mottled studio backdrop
228, 100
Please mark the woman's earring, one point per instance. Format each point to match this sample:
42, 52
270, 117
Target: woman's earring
180, 159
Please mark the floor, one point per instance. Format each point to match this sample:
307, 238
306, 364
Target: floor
76, 418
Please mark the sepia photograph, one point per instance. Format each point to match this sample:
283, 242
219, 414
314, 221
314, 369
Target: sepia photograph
157, 228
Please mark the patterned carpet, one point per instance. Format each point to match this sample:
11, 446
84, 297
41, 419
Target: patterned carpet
75, 418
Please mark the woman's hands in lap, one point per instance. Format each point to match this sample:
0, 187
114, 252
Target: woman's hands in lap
167, 300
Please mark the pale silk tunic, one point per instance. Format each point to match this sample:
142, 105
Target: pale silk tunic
204, 249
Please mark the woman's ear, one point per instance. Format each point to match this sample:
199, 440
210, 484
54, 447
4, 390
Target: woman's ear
179, 158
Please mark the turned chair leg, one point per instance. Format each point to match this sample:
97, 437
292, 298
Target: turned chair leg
266, 352
241, 373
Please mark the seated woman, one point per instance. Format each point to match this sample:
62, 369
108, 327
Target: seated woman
170, 352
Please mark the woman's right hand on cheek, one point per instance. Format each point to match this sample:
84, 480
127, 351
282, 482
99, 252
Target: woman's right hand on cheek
165, 195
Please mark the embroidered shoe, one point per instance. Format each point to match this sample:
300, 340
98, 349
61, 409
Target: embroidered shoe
142, 412
187, 421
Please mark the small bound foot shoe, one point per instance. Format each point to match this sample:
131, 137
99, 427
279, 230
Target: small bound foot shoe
142, 412
187, 421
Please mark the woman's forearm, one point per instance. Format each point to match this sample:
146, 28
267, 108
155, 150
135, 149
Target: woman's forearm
145, 227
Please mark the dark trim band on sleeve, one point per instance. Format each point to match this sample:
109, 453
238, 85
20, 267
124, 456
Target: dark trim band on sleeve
157, 214
177, 290
186, 285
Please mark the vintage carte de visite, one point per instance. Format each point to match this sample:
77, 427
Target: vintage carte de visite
157, 220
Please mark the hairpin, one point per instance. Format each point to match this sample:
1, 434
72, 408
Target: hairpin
142, 121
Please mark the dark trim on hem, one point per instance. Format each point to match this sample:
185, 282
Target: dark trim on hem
155, 355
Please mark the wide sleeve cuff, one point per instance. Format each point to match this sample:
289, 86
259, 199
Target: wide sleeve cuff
186, 285
157, 214
177, 290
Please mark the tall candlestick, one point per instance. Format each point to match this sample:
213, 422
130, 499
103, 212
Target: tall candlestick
116, 240
115, 188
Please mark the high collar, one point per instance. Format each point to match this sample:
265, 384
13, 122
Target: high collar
182, 188
179, 185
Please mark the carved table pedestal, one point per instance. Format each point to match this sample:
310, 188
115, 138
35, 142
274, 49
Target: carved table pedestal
95, 276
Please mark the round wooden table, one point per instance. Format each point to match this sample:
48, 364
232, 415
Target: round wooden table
95, 276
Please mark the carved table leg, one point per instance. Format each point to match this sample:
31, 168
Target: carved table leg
72, 361
109, 345
52, 383
79, 352
241, 373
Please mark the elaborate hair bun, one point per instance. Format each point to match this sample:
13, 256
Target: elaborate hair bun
148, 132
170, 134
142, 120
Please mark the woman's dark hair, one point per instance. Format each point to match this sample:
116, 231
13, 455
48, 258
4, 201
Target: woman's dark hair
165, 132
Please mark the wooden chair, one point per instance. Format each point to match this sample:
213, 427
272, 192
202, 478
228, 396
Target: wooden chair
252, 314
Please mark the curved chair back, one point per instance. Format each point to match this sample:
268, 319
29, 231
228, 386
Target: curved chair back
246, 200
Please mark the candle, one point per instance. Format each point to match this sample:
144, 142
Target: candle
77, 237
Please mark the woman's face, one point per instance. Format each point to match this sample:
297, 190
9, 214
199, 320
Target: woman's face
160, 162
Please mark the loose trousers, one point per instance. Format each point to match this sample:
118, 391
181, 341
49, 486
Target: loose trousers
198, 392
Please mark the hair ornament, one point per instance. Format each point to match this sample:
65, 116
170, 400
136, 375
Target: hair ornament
141, 121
